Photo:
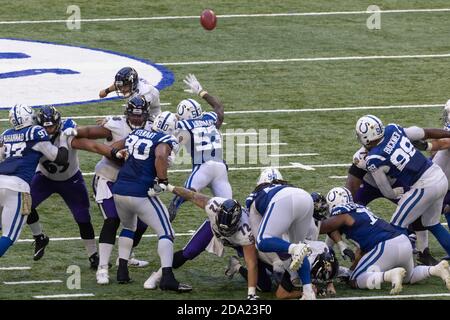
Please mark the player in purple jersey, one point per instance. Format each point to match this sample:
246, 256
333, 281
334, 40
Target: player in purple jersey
66, 180
21, 148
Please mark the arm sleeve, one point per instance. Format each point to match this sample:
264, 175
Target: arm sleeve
415, 133
47, 149
379, 175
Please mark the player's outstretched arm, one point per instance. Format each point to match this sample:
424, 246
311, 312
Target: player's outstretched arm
95, 147
200, 200
103, 93
93, 132
251, 261
335, 223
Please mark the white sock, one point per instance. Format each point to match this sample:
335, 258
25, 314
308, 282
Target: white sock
422, 240
91, 246
370, 280
329, 242
125, 245
419, 273
105, 250
307, 287
36, 228
165, 251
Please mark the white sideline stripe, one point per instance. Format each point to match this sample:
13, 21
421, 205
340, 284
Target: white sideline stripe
337, 177
224, 16
78, 238
343, 58
283, 155
261, 144
68, 295
406, 296
32, 282
406, 106
14, 268
330, 165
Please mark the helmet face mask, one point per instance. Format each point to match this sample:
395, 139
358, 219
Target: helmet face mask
325, 267
369, 129
338, 196
136, 112
189, 109
320, 206
49, 118
228, 217
126, 82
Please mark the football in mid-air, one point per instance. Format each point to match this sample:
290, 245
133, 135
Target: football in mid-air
208, 19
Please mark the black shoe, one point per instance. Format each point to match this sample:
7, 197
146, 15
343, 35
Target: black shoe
168, 282
122, 272
94, 261
173, 209
425, 258
40, 242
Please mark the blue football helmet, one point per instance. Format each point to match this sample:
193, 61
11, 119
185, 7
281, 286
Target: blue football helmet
228, 217
136, 112
126, 81
48, 116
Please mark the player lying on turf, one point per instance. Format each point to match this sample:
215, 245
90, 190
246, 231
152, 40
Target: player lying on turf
385, 252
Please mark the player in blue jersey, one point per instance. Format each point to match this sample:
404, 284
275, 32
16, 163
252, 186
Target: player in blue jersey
21, 148
285, 209
391, 154
199, 132
384, 252
141, 180
364, 190
67, 181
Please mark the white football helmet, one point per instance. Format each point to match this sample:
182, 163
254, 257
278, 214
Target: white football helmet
268, 175
369, 128
21, 116
165, 122
446, 116
189, 109
338, 196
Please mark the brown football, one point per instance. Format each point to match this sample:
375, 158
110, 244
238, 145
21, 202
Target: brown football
208, 19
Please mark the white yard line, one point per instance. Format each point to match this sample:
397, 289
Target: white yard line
315, 59
284, 155
68, 295
32, 282
261, 144
406, 106
337, 177
302, 166
406, 296
225, 16
14, 268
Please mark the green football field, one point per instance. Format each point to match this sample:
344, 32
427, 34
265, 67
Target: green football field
268, 65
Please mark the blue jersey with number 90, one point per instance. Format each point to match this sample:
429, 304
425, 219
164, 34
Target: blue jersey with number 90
138, 173
21, 159
396, 151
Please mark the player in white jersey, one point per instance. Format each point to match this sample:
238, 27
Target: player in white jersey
114, 129
128, 84
66, 180
199, 132
21, 148
230, 225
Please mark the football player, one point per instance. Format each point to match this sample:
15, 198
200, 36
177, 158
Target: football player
285, 209
391, 154
364, 190
21, 148
384, 251
113, 130
65, 180
199, 132
141, 180
230, 225
128, 84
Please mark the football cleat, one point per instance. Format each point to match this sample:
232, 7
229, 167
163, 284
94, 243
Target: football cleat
102, 275
122, 272
395, 277
173, 209
135, 263
441, 270
153, 281
425, 258
299, 252
40, 242
175, 286
233, 267
94, 260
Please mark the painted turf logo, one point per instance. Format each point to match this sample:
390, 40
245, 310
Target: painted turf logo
41, 73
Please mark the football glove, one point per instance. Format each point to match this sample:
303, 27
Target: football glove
193, 84
422, 145
159, 186
70, 132
346, 253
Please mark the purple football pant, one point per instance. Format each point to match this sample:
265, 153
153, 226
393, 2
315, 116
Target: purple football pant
366, 194
73, 191
199, 241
